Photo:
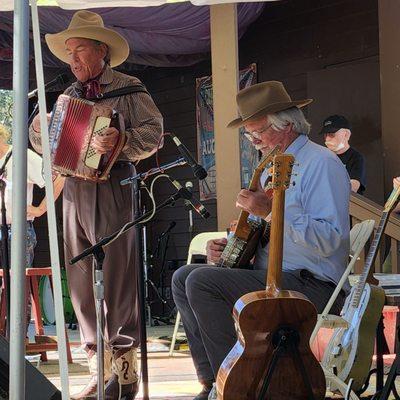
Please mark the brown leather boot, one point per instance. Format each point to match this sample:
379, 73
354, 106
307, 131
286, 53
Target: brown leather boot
89, 392
124, 367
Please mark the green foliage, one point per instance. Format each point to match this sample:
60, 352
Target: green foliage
6, 101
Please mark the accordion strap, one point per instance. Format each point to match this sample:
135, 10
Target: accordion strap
120, 92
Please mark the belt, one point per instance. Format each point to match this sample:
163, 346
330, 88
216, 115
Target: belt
121, 164
30, 223
306, 274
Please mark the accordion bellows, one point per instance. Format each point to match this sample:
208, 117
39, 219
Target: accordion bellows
73, 125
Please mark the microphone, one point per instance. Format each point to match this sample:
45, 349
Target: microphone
188, 196
170, 227
198, 171
59, 80
189, 187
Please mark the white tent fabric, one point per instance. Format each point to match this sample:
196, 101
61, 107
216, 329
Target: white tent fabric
8, 5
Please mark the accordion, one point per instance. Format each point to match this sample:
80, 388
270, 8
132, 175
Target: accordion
73, 125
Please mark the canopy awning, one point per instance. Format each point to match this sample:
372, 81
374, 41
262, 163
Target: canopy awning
8, 5
167, 35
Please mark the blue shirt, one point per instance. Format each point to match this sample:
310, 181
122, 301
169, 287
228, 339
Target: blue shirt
316, 223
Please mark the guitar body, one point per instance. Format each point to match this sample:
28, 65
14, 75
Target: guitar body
272, 359
350, 350
243, 371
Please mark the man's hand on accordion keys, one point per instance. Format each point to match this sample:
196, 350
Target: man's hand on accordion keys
106, 140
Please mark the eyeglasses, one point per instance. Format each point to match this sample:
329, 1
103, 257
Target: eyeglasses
257, 133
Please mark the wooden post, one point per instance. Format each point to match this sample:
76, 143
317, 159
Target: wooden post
225, 75
389, 55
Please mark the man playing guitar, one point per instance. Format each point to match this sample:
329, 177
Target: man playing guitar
316, 228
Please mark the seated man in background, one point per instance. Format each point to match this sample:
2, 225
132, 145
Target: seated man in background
316, 229
337, 131
34, 177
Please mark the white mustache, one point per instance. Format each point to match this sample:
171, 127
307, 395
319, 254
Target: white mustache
334, 147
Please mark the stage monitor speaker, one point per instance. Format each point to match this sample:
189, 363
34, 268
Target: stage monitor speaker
37, 386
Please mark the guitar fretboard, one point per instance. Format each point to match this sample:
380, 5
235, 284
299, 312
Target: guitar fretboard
369, 262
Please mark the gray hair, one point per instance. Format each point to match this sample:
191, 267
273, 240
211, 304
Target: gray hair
107, 56
292, 116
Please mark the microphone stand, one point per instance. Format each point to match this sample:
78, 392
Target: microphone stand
98, 252
137, 198
180, 161
4, 244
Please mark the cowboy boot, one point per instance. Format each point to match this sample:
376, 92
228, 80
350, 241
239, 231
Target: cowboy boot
124, 367
89, 392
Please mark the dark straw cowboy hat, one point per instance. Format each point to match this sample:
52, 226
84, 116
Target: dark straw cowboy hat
89, 25
261, 99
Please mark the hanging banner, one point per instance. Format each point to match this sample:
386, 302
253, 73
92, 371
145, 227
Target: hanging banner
205, 134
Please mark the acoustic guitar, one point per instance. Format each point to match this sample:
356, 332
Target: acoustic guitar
272, 358
349, 352
242, 245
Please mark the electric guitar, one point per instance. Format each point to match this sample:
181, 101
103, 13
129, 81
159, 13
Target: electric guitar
242, 245
349, 352
272, 358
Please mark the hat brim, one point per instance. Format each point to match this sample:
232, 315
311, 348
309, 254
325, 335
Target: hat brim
118, 46
270, 109
328, 129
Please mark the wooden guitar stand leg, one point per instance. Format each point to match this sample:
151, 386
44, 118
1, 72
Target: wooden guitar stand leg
285, 340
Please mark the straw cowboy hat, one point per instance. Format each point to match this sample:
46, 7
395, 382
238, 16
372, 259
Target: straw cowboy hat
261, 99
89, 25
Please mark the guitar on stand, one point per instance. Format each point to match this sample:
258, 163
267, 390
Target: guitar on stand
242, 245
349, 352
272, 358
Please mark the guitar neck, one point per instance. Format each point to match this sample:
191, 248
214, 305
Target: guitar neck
275, 254
242, 229
370, 260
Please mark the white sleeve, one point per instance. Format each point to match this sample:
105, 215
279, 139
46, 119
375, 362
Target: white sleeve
35, 169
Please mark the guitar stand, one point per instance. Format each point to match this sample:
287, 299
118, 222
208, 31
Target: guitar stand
391, 378
285, 340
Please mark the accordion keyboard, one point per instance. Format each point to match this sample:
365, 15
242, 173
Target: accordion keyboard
92, 158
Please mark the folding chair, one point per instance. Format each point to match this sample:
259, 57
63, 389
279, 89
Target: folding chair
197, 246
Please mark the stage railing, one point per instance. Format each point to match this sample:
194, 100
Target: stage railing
361, 209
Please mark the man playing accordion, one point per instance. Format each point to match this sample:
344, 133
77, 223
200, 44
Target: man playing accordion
93, 210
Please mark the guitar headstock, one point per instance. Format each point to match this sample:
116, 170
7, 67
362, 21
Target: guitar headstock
282, 171
392, 200
268, 158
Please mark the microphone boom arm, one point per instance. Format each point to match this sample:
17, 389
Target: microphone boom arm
180, 161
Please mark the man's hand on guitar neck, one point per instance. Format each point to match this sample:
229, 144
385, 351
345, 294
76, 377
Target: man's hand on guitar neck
257, 203
214, 249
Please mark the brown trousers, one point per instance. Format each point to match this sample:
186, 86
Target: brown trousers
92, 211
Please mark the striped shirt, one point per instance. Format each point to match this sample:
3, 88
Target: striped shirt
142, 119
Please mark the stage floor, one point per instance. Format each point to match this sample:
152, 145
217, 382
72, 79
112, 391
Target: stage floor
170, 378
